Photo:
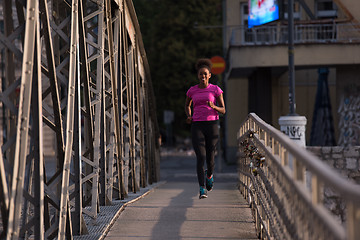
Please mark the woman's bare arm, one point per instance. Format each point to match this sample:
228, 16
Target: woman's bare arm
221, 105
188, 102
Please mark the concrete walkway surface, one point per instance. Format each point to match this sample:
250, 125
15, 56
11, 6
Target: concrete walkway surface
173, 210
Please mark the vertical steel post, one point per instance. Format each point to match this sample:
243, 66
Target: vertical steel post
88, 156
114, 152
131, 99
125, 97
37, 140
98, 107
121, 79
292, 102
4, 194
65, 230
147, 129
140, 111
116, 115
91, 32
10, 116
22, 133
78, 223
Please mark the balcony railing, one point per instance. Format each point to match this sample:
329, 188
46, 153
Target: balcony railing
303, 33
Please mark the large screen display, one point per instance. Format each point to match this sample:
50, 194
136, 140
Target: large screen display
262, 11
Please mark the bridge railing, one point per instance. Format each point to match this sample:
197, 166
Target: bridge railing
285, 186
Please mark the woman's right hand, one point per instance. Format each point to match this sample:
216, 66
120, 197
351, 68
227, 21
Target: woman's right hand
189, 120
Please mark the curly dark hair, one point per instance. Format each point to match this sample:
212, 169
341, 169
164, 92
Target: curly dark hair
203, 63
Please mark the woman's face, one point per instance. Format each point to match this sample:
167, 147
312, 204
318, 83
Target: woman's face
203, 76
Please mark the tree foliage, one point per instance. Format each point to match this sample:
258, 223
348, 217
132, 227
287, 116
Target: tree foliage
175, 35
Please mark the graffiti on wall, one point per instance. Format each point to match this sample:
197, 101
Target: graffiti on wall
349, 121
293, 132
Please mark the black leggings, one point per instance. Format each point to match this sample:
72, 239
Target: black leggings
205, 135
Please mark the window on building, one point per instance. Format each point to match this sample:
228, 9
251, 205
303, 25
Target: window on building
245, 33
325, 9
297, 10
244, 14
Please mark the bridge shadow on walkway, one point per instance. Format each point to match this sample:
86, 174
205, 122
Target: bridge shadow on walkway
174, 211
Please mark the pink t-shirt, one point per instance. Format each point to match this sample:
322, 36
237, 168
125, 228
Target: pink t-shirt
200, 97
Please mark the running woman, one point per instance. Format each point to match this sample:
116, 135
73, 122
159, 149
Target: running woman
208, 102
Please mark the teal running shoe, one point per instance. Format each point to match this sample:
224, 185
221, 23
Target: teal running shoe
203, 193
209, 182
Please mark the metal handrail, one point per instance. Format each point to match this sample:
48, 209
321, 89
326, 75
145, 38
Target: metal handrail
348, 189
267, 138
303, 33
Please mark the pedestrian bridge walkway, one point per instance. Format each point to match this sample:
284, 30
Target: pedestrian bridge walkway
171, 208
174, 211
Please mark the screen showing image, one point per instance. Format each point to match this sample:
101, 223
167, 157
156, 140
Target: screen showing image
262, 11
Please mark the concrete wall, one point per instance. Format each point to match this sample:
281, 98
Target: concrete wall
233, 12
345, 161
305, 55
236, 110
350, 9
233, 17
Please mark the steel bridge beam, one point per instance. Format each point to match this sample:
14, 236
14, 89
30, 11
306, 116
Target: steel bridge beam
80, 77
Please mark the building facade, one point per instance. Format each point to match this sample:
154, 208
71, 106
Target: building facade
327, 67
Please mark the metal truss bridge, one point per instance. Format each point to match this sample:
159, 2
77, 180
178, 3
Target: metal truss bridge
78, 125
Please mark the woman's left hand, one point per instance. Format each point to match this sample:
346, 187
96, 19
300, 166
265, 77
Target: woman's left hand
211, 104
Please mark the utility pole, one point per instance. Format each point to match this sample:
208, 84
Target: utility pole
292, 102
292, 125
